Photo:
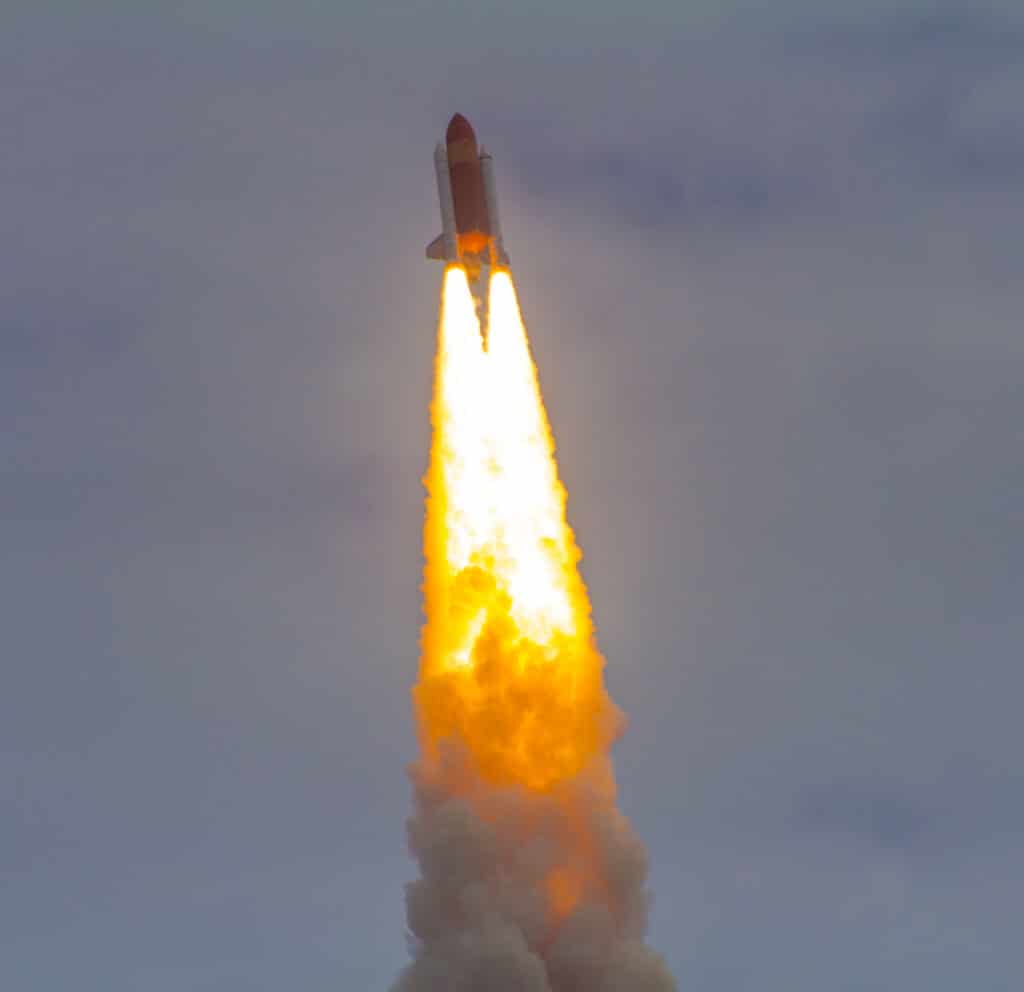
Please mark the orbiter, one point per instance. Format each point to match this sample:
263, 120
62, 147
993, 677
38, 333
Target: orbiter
470, 229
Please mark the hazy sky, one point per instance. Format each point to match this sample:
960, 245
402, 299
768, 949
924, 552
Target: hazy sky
772, 268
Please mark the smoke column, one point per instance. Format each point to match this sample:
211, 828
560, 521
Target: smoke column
531, 880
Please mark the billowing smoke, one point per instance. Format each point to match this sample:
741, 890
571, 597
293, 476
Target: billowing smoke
481, 916
531, 880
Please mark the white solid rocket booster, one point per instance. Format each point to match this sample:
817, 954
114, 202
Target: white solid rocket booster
491, 199
444, 198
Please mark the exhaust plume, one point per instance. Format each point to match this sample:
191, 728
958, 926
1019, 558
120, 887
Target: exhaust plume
531, 880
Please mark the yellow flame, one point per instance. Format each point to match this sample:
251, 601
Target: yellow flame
509, 668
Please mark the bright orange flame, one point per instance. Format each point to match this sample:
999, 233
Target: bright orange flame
564, 889
509, 667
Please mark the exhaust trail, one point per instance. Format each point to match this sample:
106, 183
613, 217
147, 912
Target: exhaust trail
530, 877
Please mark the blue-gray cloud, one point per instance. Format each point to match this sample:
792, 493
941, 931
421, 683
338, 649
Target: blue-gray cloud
790, 125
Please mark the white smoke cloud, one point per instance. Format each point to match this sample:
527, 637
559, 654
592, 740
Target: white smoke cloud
479, 916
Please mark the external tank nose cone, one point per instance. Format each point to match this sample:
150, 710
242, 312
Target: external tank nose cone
459, 129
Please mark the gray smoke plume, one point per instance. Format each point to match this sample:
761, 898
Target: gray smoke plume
479, 917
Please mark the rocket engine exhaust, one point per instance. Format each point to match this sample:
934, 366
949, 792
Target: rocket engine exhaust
531, 880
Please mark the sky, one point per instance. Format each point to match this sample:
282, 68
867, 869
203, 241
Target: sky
770, 262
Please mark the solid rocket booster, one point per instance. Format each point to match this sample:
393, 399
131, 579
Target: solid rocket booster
470, 230
491, 199
444, 198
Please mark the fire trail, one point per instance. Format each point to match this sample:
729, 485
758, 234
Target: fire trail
531, 879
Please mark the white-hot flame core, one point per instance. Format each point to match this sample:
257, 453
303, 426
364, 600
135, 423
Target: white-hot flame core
504, 497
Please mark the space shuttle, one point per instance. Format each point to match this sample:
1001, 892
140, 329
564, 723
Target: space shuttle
470, 228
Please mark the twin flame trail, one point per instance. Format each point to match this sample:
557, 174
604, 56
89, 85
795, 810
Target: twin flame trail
530, 877
509, 663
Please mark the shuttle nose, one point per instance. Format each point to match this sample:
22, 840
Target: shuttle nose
459, 129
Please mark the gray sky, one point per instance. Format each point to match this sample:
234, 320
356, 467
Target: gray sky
772, 269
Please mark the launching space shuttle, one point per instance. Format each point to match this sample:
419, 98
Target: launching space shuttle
470, 229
